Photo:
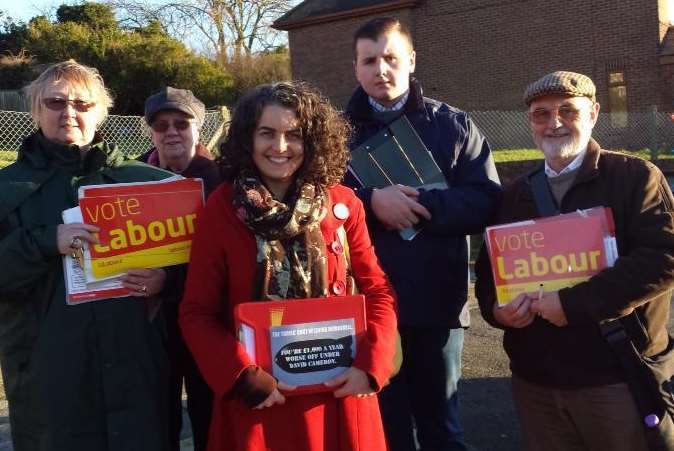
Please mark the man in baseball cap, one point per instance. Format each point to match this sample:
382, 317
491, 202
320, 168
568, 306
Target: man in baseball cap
177, 100
569, 387
175, 117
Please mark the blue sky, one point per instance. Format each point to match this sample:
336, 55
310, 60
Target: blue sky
24, 10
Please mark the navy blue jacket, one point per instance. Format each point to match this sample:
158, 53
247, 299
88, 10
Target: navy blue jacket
430, 273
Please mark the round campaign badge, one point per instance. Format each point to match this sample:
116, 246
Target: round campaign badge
341, 211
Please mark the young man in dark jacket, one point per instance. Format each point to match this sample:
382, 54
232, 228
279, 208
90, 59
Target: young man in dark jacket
430, 272
569, 389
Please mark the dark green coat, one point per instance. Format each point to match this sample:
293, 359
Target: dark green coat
87, 377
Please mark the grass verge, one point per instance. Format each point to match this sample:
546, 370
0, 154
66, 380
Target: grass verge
509, 155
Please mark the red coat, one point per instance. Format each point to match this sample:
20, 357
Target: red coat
221, 275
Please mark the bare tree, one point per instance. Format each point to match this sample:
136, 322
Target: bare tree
228, 28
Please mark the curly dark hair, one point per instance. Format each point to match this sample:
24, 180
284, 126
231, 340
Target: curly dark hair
324, 132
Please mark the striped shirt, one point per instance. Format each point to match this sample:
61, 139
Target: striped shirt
378, 107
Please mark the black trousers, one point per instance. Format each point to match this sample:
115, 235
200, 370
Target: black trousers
199, 394
423, 396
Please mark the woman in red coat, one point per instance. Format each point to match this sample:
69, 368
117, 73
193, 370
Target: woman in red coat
271, 232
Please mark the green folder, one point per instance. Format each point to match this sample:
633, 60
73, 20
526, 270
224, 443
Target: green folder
396, 155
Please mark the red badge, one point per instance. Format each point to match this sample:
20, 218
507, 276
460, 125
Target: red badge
336, 247
338, 287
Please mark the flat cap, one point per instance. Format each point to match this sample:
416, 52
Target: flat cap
175, 99
561, 83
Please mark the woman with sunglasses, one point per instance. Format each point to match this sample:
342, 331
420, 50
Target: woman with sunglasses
77, 377
271, 231
175, 117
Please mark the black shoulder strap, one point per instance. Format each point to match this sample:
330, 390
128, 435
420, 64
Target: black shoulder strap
545, 203
613, 331
648, 398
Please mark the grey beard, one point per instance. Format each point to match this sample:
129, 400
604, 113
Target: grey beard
566, 150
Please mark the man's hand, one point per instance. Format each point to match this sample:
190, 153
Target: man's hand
351, 382
275, 397
396, 207
549, 307
517, 313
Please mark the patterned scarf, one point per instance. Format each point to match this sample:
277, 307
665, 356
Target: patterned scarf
291, 261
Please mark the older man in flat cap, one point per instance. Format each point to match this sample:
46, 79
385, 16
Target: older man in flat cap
570, 388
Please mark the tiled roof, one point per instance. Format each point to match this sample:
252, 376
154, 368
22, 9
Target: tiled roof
667, 44
317, 11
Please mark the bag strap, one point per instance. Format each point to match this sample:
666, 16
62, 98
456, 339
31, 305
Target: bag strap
619, 341
351, 287
341, 233
545, 203
648, 400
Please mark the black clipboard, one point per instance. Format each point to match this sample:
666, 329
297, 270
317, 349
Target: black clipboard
396, 155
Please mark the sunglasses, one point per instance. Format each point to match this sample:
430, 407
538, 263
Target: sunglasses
59, 104
542, 116
162, 126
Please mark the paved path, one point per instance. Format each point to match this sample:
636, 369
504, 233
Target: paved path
486, 408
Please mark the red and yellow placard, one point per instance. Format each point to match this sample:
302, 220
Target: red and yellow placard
143, 225
558, 251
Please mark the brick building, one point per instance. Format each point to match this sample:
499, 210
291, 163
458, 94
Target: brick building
480, 54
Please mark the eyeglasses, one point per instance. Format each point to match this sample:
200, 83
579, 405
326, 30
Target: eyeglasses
59, 104
178, 124
542, 116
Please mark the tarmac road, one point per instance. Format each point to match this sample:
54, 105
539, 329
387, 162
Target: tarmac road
486, 408
487, 412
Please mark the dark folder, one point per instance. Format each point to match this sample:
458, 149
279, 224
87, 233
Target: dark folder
396, 155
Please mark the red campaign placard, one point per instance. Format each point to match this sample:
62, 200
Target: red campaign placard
138, 217
549, 249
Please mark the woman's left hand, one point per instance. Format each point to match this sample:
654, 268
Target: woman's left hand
144, 282
351, 382
276, 397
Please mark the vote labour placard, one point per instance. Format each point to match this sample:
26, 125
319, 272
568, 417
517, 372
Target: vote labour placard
557, 251
143, 225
